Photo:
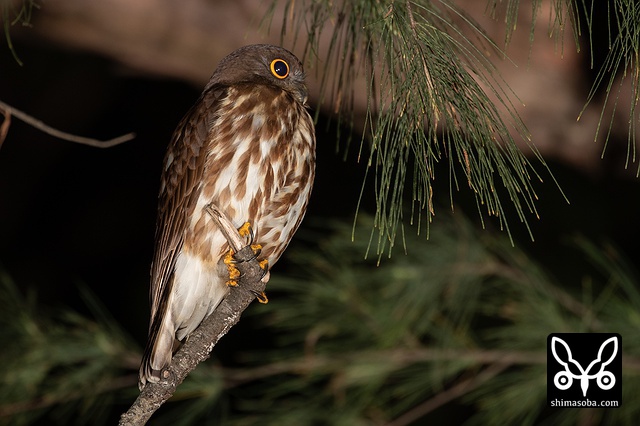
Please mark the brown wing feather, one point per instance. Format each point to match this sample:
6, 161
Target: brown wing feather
179, 191
181, 178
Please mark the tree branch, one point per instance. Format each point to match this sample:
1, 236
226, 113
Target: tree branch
199, 344
4, 127
8, 111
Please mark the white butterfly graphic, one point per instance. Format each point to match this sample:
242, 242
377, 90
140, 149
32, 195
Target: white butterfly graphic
564, 379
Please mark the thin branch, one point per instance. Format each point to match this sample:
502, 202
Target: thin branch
4, 127
198, 346
8, 111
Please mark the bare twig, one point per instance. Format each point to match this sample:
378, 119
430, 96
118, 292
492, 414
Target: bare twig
4, 127
8, 111
198, 346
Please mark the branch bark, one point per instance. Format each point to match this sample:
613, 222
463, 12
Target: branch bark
200, 343
6, 123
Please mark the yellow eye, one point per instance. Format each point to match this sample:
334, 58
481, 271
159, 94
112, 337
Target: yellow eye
279, 68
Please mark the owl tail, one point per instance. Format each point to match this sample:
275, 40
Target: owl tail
159, 350
196, 290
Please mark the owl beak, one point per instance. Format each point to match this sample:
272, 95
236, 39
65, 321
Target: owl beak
303, 96
300, 95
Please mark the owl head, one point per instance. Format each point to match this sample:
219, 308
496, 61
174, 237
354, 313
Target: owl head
262, 64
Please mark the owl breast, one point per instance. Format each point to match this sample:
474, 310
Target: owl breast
259, 169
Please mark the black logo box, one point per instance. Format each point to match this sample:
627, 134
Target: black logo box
592, 369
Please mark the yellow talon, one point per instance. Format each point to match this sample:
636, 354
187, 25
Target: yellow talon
245, 230
262, 298
234, 273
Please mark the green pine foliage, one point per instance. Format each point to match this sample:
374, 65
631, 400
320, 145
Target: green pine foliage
432, 92
59, 363
454, 330
424, 63
620, 72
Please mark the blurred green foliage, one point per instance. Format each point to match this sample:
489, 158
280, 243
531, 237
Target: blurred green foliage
454, 330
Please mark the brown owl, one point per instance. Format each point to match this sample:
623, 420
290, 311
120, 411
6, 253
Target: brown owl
247, 146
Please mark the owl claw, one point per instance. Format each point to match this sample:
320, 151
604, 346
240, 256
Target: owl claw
246, 231
257, 249
228, 258
234, 273
261, 296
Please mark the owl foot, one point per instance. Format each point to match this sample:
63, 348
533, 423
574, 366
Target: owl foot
234, 272
229, 259
246, 230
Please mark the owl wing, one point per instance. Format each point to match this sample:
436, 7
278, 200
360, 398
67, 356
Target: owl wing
180, 187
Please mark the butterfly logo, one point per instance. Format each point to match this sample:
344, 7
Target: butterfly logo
564, 379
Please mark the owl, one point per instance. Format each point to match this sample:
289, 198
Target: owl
248, 147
